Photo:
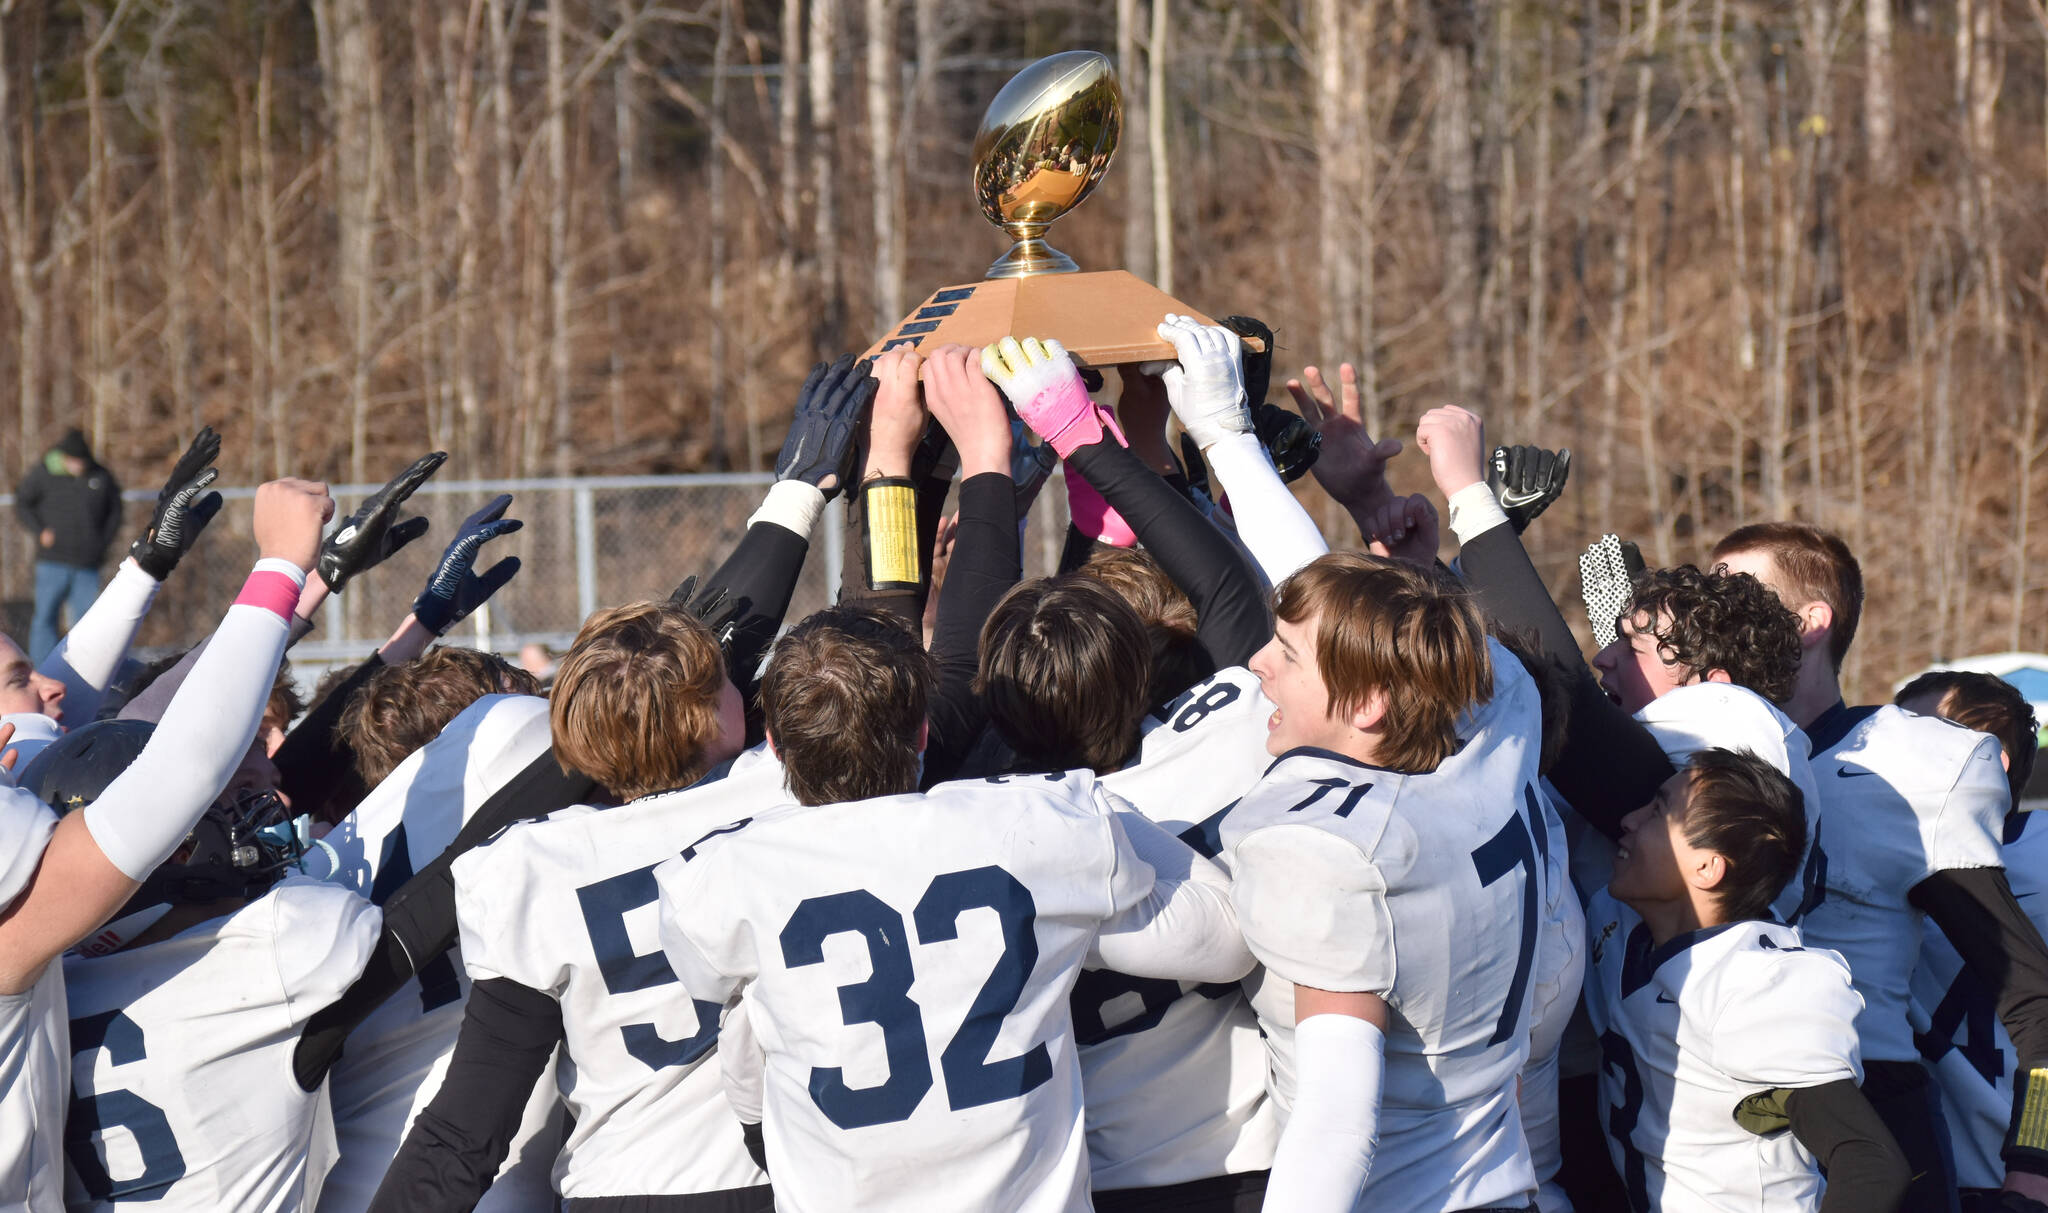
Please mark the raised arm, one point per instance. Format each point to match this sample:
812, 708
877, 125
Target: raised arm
987, 555
97, 858
1046, 390
1610, 765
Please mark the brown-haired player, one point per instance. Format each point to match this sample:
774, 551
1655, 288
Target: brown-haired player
989, 896
1912, 815
1955, 1021
404, 707
1387, 872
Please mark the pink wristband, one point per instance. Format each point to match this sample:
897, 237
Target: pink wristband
274, 592
1067, 419
1095, 517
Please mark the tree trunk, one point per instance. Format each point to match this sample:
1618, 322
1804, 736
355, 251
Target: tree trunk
1135, 154
721, 52
823, 52
559, 269
885, 163
788, 116
1879, 85
1157, 56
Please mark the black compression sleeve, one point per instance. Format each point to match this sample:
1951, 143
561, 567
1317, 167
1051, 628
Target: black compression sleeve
1610, 765
419, 918
1230, 607
760, 575
756, 1143
460, 1140
987, 561
1975, 908
316, 772
1866, 1170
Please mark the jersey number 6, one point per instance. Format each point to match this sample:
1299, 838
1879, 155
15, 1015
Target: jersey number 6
884, 998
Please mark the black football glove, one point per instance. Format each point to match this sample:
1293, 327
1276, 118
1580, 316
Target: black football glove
719, 610
1258, 364
368, 537
1290, 441
1526, 479
820, 449
456, 588
181, 512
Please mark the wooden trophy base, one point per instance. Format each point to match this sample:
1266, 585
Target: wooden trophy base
1103, 319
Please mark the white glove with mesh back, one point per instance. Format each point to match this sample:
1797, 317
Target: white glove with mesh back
1206, 387
1607, 576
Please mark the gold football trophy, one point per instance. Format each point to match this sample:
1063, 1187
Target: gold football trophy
1044, 143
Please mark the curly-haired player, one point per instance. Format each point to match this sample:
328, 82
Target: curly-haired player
1685, 626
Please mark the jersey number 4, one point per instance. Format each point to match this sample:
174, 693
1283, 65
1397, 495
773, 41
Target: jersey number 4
884, 998
92, 1116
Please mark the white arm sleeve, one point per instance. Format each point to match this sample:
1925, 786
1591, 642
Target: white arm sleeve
89, 656
1474, 511
1274, 528
1326, 1151
1186, 928
146, 812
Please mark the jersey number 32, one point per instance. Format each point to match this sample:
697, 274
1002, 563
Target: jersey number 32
884, 998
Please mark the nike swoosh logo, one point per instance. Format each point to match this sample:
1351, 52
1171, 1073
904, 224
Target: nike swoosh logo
1851, 773
1669, 1002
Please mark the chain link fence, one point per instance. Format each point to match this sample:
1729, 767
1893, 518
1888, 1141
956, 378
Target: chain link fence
587, 543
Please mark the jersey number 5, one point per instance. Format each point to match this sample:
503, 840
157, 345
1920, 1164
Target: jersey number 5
605, 906
85, 1130
884, 998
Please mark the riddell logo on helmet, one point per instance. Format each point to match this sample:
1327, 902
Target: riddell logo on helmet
102, 944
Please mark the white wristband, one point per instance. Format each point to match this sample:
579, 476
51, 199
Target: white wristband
1474, 511
792, 505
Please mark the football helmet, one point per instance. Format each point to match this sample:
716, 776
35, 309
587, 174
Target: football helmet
240, 847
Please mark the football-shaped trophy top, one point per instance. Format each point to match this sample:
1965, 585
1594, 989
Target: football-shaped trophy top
1045, 141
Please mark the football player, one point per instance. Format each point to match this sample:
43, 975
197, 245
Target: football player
1759, 1033
986, 896
396, 1059
556, 940
184, 1010
1386, 873
1955, 1023
62, 879
1912, 813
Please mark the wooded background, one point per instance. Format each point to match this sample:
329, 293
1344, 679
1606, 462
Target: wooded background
1746, 259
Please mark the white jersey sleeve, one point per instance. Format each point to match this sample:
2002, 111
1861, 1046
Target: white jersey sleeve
25, 828
1185, 929
1756, 1043
323, 937
1314, 910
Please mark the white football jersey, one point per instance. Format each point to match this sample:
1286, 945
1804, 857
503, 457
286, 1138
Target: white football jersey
1427, 890
1956, 1026
1902, 797
181, 1052
1690, 1031
1723, 716
396, 1058
566, 906
35, 1060
907, 963
1174, 1071
1560, 972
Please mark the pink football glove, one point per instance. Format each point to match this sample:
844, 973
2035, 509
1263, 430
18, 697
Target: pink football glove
1045, 388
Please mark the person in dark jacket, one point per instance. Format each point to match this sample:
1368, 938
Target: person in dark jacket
72, 506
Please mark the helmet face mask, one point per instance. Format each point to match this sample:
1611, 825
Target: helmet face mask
238, 849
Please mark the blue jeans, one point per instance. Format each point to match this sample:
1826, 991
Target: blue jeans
55, 585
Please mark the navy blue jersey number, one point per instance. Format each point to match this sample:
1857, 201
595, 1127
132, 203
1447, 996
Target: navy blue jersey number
1218, 696
1499, 855
1813, 880
439, 984
884, 998
92, 1115
605, 906
1146, 1001
1617, 1058
1967, 1006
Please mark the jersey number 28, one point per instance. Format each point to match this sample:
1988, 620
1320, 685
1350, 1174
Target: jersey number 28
884, 998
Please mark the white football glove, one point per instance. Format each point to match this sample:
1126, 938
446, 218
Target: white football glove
1206, 387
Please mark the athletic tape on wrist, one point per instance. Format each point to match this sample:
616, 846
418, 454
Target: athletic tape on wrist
2026, 1139
274, 585
892, 555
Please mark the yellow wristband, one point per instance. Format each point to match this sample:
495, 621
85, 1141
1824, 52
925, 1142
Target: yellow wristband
891, 506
